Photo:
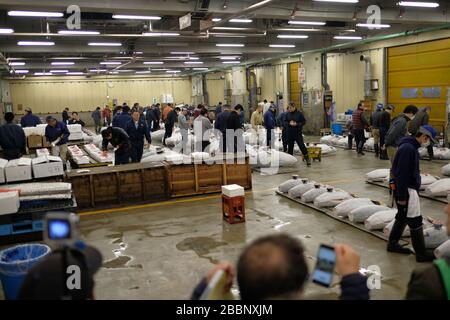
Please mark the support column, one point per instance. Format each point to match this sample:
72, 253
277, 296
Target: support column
239, 93
197, 90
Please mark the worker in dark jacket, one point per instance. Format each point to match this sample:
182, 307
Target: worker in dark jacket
234, 126
432, 282
406, 184
275, 267
151, 118
398, 129
29, 119
360, 124
221, 125
120, 141
270, 124
172, 118
121, 119
385, 123
375, 124
281, 123
137, 130
96, 115
294, 123
57, 134
12, 138
75, 119
421, 118
65, 116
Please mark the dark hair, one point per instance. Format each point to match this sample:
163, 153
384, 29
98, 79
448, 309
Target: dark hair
203, 111
119, 108
359, 104
272, 266
239, 107
98, 108
74, 113
126, 109
265, 101
410, 109
177, 109
200, 106
9, 116
135, 110
106, 132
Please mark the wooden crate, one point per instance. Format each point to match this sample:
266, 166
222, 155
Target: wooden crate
114, 186
202, 178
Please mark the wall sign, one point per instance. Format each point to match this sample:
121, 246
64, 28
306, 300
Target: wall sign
431, 92
410, 93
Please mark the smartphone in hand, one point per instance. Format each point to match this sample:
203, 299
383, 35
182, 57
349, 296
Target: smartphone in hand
326, 262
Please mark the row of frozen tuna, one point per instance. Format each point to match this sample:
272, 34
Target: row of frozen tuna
430, 185
358, 210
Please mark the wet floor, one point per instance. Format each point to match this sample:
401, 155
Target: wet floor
162, 252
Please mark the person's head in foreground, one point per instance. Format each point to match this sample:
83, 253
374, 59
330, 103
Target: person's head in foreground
9, 117
426, 135
291, 107
410, 111
51, 121
47, 279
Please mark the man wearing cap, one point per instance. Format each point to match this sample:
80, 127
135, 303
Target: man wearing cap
12, 138
385, 123
47, 280
407, 181
269, 124
57, 134
29, 119
375, 120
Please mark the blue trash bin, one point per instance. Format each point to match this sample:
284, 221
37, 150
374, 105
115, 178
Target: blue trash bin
15, 263
336, 128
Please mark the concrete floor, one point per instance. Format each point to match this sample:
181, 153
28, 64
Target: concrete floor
163, 250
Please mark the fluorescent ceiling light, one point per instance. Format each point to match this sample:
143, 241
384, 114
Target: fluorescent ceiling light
35, 14
194, 58
160, 34
153, 62
160, 69
216, 19
199, 69
43, 74
110, 62
258, 4
418, 4
181, 52
231, 28
97, 70
241, 20
6, 30
17, 63
124, 70
35, 43
228, 36
113, 72
193, 62
307, 23
138, 52
231, 62
78, 32
299, 29
373, 25
229, 58
68, 63
21, 71
76, 73
282, 45
59, 71
135, 17
350, 30
68, 58
338, 1
230, 45
173, 71
105, 44
347, 38
143, 72
292, 36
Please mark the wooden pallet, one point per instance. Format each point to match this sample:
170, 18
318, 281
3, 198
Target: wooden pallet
359, 226
438, 199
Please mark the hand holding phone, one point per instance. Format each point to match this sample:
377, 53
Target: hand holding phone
347, 260
326, 261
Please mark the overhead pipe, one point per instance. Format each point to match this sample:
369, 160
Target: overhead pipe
324, 69
367, 75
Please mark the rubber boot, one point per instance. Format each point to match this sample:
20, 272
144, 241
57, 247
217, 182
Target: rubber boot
394, 238
383, 155
377, 150
418, 242
308, 161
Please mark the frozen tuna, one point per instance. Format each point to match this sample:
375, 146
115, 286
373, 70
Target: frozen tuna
288, 185
331, 198
379, 220
299, 190
312, 194
427, 180
443, 250
359, 215
345, 207
378, 175
435, 236
439, 189
446, 170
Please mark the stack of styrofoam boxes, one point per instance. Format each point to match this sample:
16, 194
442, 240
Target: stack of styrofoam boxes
10, 202
47, 166
77, 155
18, 170
76, 132
3, 164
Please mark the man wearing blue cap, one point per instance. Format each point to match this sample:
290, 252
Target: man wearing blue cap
406, 185
375, 122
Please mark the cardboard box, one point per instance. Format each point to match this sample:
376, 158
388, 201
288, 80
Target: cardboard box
47, 166
233, 190
18, 170
3, 164
10, 202
42, 152
35, 141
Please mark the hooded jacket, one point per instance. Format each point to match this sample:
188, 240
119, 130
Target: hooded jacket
397, 130
405, 168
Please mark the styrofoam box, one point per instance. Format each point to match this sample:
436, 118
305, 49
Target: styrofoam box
76, 136
3, 164
47, 166
42, 152
10, 202
233, 190
18, 170
74, 128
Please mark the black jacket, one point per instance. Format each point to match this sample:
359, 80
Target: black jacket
65, 116
171, 118
80, 122
12, 137
397, 130
234, 121
405, 167
296, 116
119, 140
426, 284
385, 120
375, 119
137, 135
